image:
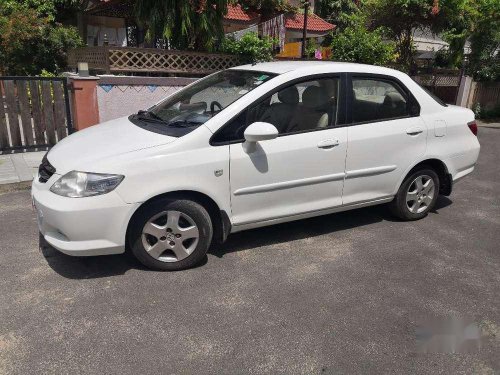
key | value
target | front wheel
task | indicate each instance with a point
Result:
(170, 235)
(416, 196)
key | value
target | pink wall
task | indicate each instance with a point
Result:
(84, 102)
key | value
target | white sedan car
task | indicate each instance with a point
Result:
(248, 147)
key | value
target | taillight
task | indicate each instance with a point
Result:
(473, 127)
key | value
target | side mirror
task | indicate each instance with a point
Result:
(258, 131)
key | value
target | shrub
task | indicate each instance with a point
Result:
(311, 47)
(250, 47)
(486, 113)
(30, 43)
(357, 44)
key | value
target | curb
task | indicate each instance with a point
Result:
(490, 124)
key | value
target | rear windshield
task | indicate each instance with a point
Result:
(194, 105)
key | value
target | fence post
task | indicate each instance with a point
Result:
(463, 91)
(107, 53)
(472, 95)
(84, 101)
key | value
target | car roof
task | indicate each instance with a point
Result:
(280, 67)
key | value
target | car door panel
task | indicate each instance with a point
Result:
(386, 144)
(379, 153)
(289, 175)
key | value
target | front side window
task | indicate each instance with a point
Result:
(377, 100)
(304, 106)
(196, 104)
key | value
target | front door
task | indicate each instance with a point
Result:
(288, 175)
(386, 137)
(302, 170)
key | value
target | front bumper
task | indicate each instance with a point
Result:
(82, 226)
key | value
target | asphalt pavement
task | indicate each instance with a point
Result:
(338, 294)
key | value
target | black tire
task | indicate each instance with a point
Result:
(194, 210)
(399, 207)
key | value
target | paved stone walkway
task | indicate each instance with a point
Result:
(19, 167)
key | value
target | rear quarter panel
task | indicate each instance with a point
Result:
(449, 139)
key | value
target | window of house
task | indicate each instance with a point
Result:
(305, 106)
(377, 100)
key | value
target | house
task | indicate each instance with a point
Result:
(111, 22)
(238, 19)
(288, 26)
(116, 44)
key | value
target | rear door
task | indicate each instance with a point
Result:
(385, 136)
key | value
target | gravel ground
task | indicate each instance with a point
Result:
(331, 295)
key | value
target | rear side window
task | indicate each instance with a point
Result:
(377, 100)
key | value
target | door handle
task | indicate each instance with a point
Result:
(414, 131)
(328, 143)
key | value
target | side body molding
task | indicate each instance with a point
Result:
(290, 184)
(370, 171)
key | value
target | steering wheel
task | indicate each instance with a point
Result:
(212, 106)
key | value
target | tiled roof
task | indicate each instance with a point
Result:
(237, 13)
(314, 22)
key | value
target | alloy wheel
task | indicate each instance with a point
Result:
(420, 194)
(170, 236)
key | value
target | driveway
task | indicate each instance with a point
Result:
(331, 295)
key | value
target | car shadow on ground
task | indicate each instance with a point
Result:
(313, 227)
(115, 265)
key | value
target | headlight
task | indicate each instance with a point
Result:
(81, 184)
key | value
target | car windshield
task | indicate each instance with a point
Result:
(190, 107)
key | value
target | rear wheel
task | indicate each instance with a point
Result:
(417, 195)
(171, 235)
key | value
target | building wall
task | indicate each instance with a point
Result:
(231, 26)
(113, 27)
(119, 96)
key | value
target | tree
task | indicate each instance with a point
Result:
(31, 41)
(193, 24)
(63, 11)
(399, 19)
(484, 59)
(476, 22)
(337, 12)
(266, 6)
(355, 43)
(454, 22)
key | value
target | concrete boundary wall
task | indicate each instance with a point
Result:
(119, 96)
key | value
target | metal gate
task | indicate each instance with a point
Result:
(34, 113)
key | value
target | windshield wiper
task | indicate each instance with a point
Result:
(150, 116)
(184, 123)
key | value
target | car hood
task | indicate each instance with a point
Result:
(112, 138)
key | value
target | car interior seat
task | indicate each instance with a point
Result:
(393, 106)
(313, 112)
(280, 114)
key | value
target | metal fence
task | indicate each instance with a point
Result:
(34, 113)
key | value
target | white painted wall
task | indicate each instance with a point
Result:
(125, 100)
(123, 96)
